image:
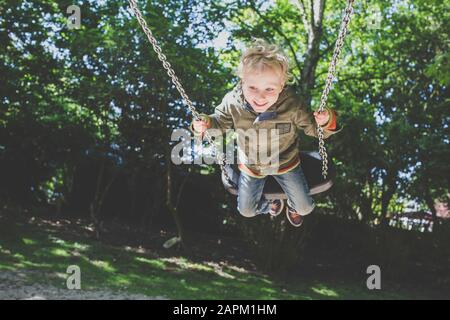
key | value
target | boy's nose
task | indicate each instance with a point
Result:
(261, 97)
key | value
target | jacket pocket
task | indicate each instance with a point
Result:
(283, 127)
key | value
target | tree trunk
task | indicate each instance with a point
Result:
(366, 208)
(430, 203)
(312, 20)
(388, 193)
(132, 184)
(94, 206)
(171, 207)
(100, 195)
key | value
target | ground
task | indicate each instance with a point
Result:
(35, 254)
(13, 285)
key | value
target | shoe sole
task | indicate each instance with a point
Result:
(281, 210)
(289, 219)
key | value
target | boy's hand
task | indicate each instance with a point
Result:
(200, 126)
(322, 118)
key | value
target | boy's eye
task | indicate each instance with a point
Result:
(269, 89)
(252, 88)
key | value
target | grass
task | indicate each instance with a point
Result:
(47, 250)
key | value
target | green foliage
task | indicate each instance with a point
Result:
(90, 110)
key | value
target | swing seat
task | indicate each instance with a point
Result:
(311, 164)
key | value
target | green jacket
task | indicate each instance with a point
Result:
(286, 117)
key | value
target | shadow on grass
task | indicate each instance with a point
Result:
(49, 251)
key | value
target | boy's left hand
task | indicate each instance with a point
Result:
(322, 118)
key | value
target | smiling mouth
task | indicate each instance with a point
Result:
(259, 105)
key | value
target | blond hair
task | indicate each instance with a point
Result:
(261, 55)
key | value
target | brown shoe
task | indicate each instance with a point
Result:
(294, 218)
(276, 207)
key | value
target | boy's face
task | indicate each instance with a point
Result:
(262, 88)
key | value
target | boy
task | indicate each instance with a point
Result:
(262, 101)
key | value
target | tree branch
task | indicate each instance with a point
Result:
(301, 7)
(318, 9)
(368, 77)
(279, 31)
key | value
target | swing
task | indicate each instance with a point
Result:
(318, 170)
(311, 164)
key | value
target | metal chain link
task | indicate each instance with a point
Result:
(171, 73)
(329, 81)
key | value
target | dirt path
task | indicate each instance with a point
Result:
(13, 286)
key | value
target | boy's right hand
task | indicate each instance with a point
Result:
(200, 126)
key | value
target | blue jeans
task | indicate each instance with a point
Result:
(252, 202)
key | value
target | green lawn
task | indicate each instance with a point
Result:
(47, 249)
